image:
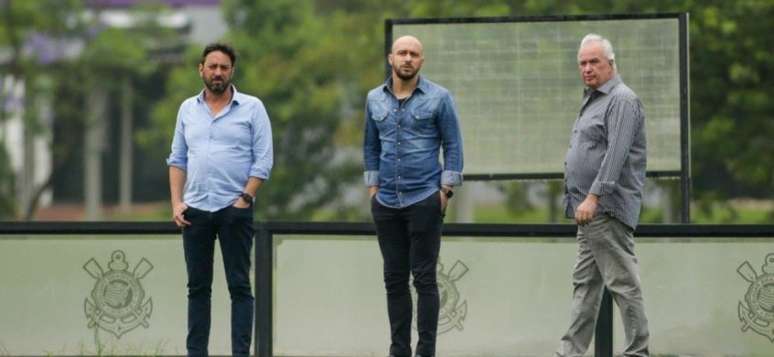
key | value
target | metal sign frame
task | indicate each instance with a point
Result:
(684, 174)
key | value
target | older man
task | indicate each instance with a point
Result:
(409, 119)
(604, 176)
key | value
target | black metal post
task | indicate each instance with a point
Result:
(685, 120)
(263, 292)
(603, 335)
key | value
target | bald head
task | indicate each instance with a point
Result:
(406, 58)
(407, 41)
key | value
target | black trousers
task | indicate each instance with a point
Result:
(410, 240)
(234, 230)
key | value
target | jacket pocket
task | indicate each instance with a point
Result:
(379, 116)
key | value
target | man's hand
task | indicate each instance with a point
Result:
(444, 198)
(177, 215)
(586, 210)
(240, 203)
(372, 191)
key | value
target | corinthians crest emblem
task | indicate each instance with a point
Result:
(758, 312)
(116, 303)
(452, 313)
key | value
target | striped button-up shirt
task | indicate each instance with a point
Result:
(607, 153)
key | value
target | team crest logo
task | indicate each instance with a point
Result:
(758, 312)
(116, 303)
(451, 313)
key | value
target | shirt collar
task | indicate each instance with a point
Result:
(422, 85)
(607, 87)
(236, 98)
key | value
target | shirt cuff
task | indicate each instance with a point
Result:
(260, 173)
(451, 178)
(371, 178)
(178, 163)
(600, 188)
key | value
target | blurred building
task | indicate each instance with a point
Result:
(29, 147)
(202, 18)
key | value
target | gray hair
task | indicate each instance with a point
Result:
(607, 47)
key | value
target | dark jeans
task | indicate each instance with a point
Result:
(234, 229)
(410, 239)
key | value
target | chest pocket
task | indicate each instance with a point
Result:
(423, 119)
(593, 132)
(422, 114)
(379, 116)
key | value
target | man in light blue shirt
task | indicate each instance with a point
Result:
(221, 154)
(408, 121)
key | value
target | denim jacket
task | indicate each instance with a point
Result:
(403, 140)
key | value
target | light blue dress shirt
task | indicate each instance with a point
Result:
(220, 153)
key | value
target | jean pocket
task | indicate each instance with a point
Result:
(241, 213)
(375, 205)
(191, 212)
(441, 208)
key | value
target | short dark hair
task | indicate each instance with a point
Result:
(222, 47)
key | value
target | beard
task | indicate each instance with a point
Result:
(217, 87)
(406, 73)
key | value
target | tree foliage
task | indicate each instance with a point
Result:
(25, 27)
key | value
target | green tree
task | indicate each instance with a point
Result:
(29, 24)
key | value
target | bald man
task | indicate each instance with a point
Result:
(408, 120)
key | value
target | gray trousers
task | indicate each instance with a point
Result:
(605, 259)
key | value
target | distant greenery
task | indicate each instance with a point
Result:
(312, 62)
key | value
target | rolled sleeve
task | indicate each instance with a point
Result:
(178, 156)
(451, 178)
(602, 188)
(263, 149)
(623, 123)
(451, 137)
(372, 148)
(371, 178)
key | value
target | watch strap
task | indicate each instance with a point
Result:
(247, 197)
